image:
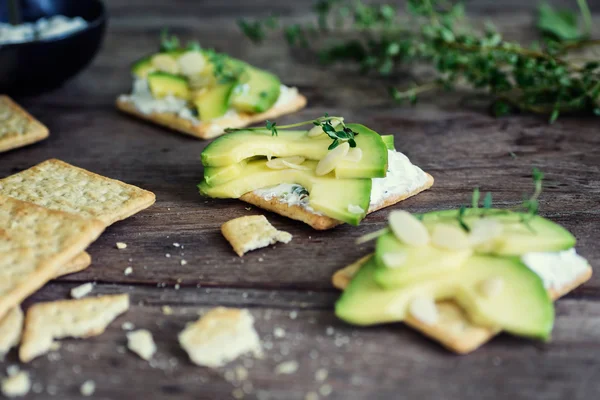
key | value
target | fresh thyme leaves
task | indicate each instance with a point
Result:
(475, 198)
(224, 69)
(487, 201)
(339, 133)
(271, 126)
(168, 42)
(461, 219)
(539, 78)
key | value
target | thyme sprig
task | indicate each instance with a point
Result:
(540, 78)
(339, 133)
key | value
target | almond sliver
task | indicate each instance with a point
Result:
(485, 230)
(408, 228)
(449, 237)
(285, 162)
(332, 159)
(354, 154)
(394, 260)
(165, 63)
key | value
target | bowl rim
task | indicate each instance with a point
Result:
(99, 21)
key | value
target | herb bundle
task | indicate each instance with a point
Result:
(540, 78)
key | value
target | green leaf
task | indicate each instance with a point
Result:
(487, 201)
(475, 198)
(560, 25)
(168, 42)
(333, 145)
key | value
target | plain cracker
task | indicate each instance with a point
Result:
(453, 329)
(316, 221)
(220, 336)
(79, 263)
(214, 129)
(17, 127)
(252, 232)
(60, 186)
(35, 243)
(81, 318)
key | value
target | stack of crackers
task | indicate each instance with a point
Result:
(49, 215)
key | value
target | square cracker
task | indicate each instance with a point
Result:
(60, 186)
(252, 232)
(17, 127)
(209, 130)
(81, 318)
(35, 243)
(453, 329)
(318, 221)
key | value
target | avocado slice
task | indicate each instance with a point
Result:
(538, 234)
(142, 67)
(237, 146)
(213, 102)
(256, 91)
(523, 307)
(388, 140)
(336, 198)
(214, 176)
(420, 263)
(163, 84)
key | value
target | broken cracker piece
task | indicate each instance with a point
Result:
(18, 128)
(68, 318)
(10, 330)
(17, 384)
(56, 185)
(77, 264)
(252, 232)
(82, 290)
(141, 343)
(220, 336)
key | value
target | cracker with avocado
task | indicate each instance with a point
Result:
(63, 187)
(453, 329)
(81, 318)
(36, 243)
(319, 221)
(17, 127)
(209, 130)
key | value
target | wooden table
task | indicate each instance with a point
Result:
(287, 287)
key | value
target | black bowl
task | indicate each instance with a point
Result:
(35, 67)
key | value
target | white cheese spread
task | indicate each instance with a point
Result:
(43, 28)
(556, 269)
(402, 178)
(146, 103)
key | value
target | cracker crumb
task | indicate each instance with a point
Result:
(325, 390)
(260, 259)
(177, 286)
(121, 245)
(176, 245)
(293, 314)
(286, 368)
(183, 262)
(168, 255)
(167, 310)
(141, 343)
(321, 375)
(16, 385)
(82, 290)
(279, 332)
(329, 331)
(238, 393)
(128, 271)
(127, 326)
(241, 373)
(88, 388)
(311, 396)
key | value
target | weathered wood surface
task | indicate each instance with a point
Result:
(457, 143)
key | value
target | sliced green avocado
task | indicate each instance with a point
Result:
(336, 198)
(214, 102)
(389, 141)
(422, 262)
(142, 67)
(214, 176)
(522, 307)
(537, 234)
(237, 146)
(256, 92)
(163, 84)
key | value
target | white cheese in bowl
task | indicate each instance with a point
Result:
(44, 28)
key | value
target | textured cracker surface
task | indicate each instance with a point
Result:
(79, 263)
(10, 330)
(68, 318)
(17, 127)
(453, 329)
(316, 221)
(220, 336)
(252, 232)
(211, 130)
(60, 186)
(35, 243)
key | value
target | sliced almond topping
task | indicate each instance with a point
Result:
(449, 237)
(165, 63)
(354, 154)
(424, 309)
(394, 260)
(295, 166)
(485, 230)
(408, 228)
(491, 287)
(332, 159)
(191, 63)
(318, 131)
(285, 162)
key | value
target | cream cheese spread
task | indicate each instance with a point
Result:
(402, 178)
(146, 103)
(44, 28)
(556, 269)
